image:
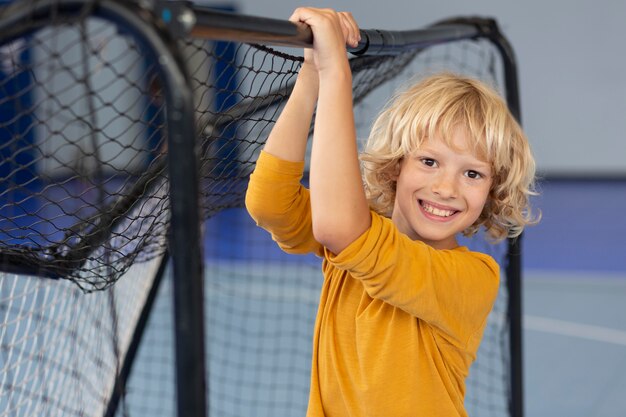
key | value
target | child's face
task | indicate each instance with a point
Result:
(441, 191)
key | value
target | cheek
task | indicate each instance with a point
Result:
(479, 197)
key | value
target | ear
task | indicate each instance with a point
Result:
(394, 169)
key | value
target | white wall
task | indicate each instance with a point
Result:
(572, 68)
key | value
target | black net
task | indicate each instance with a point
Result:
(83, 191)
(84, 205)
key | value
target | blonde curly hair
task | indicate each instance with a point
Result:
(434, 107)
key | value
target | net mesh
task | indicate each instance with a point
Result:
(61, 349)
(83, 192)
(84, 205)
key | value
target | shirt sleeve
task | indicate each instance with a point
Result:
(280, 204)
(452, 290)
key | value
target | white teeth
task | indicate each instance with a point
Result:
(437, 212)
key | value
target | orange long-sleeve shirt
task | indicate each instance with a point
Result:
(399, 322)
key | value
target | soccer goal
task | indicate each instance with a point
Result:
(132, 282)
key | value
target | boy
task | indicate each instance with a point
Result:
(403, 307)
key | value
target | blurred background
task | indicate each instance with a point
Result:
(573, 101)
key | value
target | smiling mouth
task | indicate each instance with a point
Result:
(436, 211)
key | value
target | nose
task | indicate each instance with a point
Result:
(445, 186)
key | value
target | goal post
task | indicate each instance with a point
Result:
(23, 20)
(115, 159)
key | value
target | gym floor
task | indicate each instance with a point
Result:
(574, 298)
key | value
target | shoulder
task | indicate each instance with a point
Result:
(469, 256)
(385, 230)
(274, 164)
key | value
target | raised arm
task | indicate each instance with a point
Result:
(340, 212)
(288, 137)
(275, 199)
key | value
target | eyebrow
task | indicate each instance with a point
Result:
(436, 153)
(479, 164)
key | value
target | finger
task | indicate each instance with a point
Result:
(307, 15)
(315, 18)
(351, 23)
(351, 29)
(345, 28)
(298, 15)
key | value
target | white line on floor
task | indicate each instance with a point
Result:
(571, 329)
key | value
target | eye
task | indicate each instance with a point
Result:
(473, 174)
(429, 162)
